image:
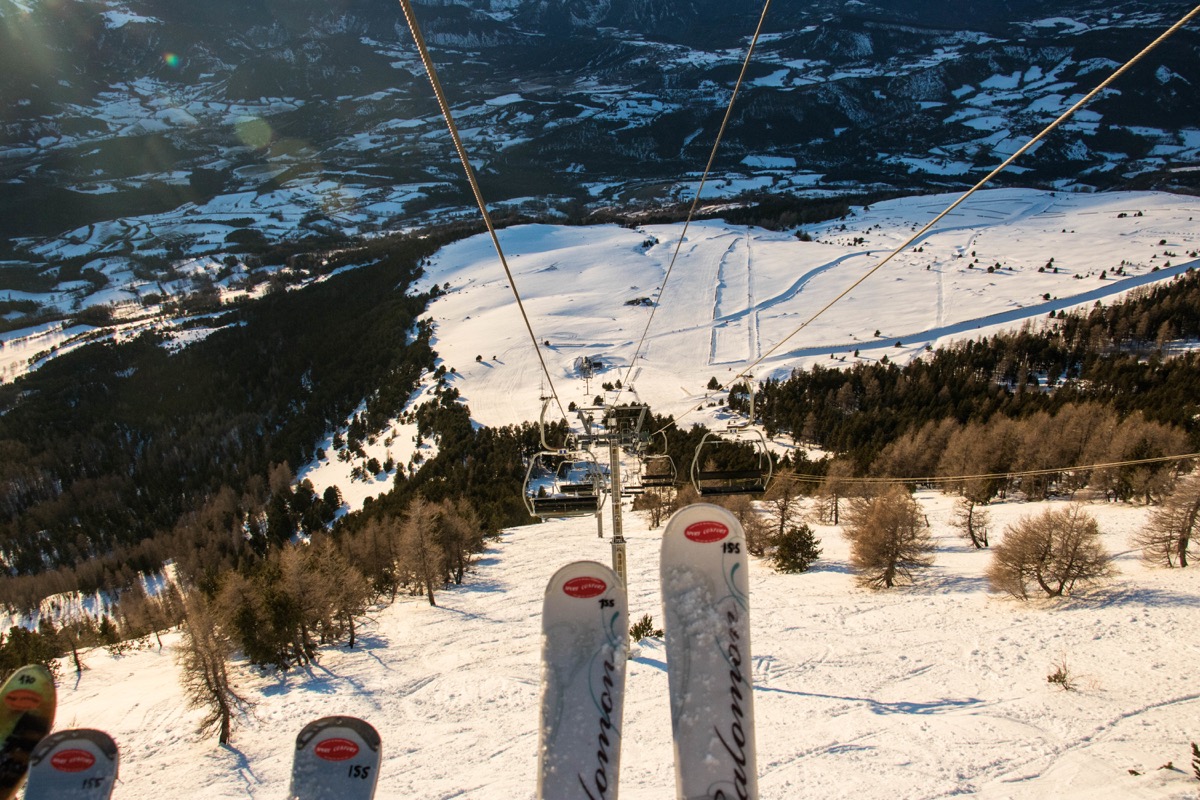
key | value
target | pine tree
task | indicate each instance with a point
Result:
(795, 550)
(643, 629)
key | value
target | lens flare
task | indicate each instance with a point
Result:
(171, 60)
(253, 132)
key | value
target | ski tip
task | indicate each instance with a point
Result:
(74, 764)
(701, 524)
(101, 740)
(362, 728)
(29, 689)
(336, 758)
(582, 580)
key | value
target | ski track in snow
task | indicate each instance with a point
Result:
(735, 320)
(981, 324)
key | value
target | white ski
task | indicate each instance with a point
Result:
(337, 758)
(707, 624)
(78, 764)
(585, 624)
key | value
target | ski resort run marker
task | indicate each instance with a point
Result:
(337, 758)
(585, 626)
(79, 764)
(706, 610)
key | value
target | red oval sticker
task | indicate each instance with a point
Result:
(22, 699)
(336, 749)
(584, 587)
(72, 760)
(706, 531)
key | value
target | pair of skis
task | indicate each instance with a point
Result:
(336, 758)
(707, 623)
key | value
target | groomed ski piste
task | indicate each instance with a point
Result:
(926, 691)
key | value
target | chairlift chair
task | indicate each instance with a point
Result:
(658, 471)
(564, 483)
(631, 482)
(752, 480)
(578, 475)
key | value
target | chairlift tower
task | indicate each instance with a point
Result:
(622, 428)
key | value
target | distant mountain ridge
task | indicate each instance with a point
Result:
(150, 111)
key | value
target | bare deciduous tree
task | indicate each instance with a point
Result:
(915, 453)
(684, 496)
(972, 520)
(783, 500)
(888, 538)
(419, 551)
(347, 593)
(1138, 438)
(654, 502)
(838, 484)
(977, 456)
(1081, 433)
(753, 526)
(204, 658)
(1055, 551)
(373, 549)
(461, 536)
(1167, 535)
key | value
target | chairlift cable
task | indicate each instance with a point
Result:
(712, 156)
(876, 480)
(1021, 151)
(431, 72)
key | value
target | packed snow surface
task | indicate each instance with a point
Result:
(928, 691)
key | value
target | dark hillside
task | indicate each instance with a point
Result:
(112, 443)
(1117, 356)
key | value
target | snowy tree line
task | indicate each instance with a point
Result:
(1118, 357)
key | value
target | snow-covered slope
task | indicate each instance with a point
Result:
(737, 294)
(934, 690)
(922, 692)
(132, 129)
